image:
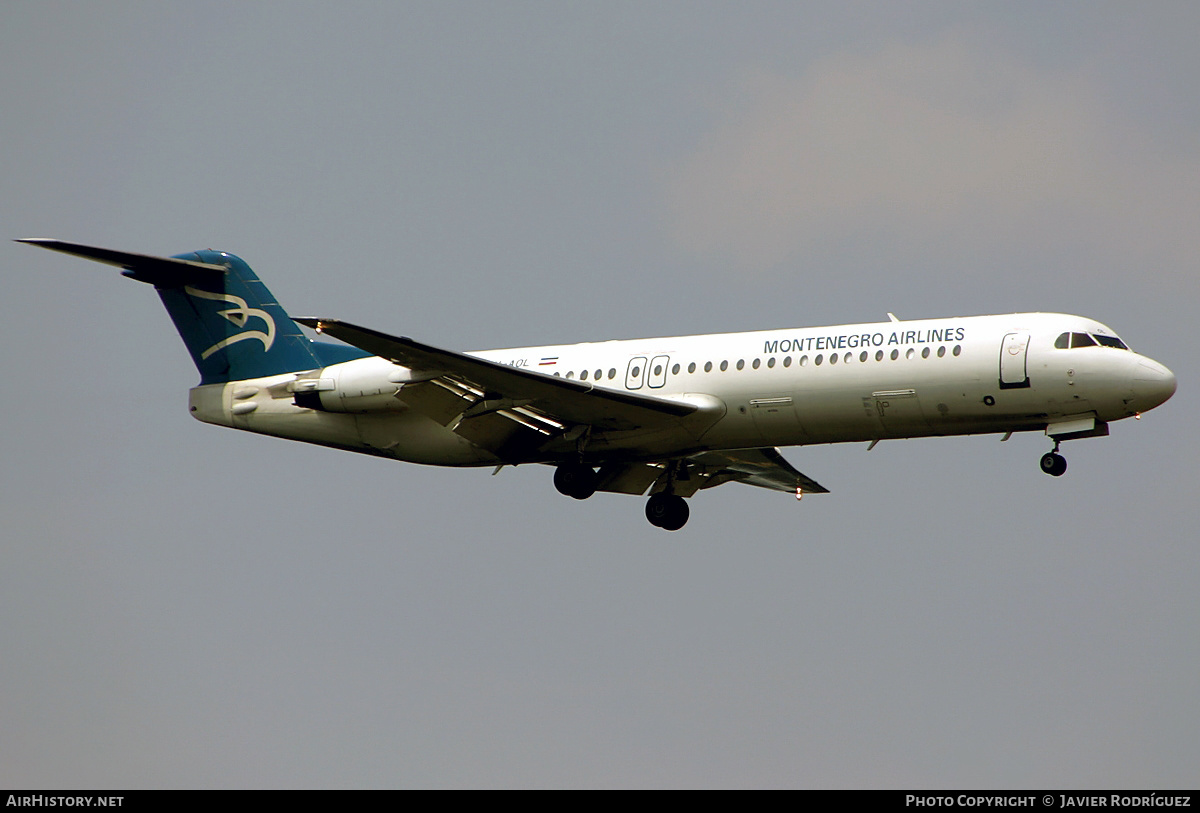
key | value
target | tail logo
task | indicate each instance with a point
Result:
(239, 314)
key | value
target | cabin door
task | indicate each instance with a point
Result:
(1013, 370)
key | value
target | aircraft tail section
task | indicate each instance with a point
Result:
(231, 323)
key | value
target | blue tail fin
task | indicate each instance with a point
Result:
(231, 324)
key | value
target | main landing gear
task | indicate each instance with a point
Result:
(1053, 463)
(575, 480)
(667, 511)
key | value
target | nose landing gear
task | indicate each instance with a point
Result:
(1053, 463)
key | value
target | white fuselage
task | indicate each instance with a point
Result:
(785, 387)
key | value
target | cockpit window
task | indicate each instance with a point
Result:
(1111, 341)
(1066, 340)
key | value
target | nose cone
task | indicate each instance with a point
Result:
(1153, 384)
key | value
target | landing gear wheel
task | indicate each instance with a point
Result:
(575, 480)
(667, 511)
(1054, 464)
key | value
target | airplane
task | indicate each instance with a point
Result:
(663, 417)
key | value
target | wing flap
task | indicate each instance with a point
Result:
(434, 400)
(505, 434)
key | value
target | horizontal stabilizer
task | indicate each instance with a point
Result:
(233, 327)
(159, 271)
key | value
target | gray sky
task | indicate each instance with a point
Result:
(186, 606)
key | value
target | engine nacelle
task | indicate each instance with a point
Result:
(364, 385)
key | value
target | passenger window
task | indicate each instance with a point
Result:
(675, 370)
(692, 367)
(862, 356)
(895, 355)
(771, 361)
(941, 351)
(583, 376)
(741, 363)
(724, 366)
(787, 361)
(599, 374)
(612, 372)
(925, 353)
(708, 366)
(957, 349)
(879, 355)
(755, 364)
(833, 358)
(817, 361)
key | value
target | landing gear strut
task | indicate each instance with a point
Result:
(1053, 463)
(667, 511)
(575, 480)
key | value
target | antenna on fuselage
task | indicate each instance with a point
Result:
(892, 316)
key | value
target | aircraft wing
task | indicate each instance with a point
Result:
(489, 403)
(765, 468)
